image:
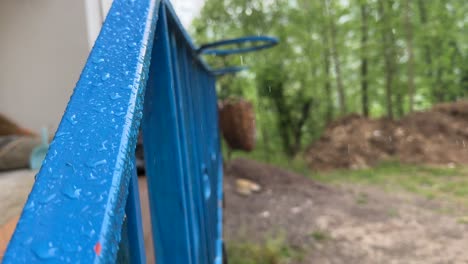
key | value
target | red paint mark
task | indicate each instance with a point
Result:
(97, 248)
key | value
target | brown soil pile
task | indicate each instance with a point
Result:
(437, 136)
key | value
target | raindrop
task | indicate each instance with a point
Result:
(105, 76)
(103, 146)
(207, 187)
(61, 134)
(92, 177)
(85, 208)
(71, 166)
(45, 251)
(28, 241)
(132, 44)
(72, 119)
(98, 60)
(96, 163)
(47, 199)
(115, 96)
(29, 206)
(71, 192)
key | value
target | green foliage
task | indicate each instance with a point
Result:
(295, 86)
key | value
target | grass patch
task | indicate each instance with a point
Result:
(273, 251)
(320, 236)
(362, 198)
(273, 157)
(431, 182)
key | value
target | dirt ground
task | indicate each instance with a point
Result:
(342, 224)
(329, 223)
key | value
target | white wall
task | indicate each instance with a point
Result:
(43, 48)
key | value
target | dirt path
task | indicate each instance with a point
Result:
(342, 224)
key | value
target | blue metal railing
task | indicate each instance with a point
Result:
(84, 206)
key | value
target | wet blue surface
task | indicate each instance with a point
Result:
(78, 204)
(79, 197)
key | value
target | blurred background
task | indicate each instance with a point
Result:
(44, 46)
(352, 131)
(361, 130)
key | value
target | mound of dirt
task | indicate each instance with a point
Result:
(437, 136)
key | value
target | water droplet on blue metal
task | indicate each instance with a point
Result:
(68, 248)
(45, 251)
(105, 76)
(27, 242)
(68, 164)
(94, 164)
(29, 206)
(47, 199)
(92, 177)
(98, 60)
(71, 191)
(61, 134)
(115, 96)
(84, 209)
(206, 186)
(72, 119)
(132, 44)
(103, 146)
(100, 198)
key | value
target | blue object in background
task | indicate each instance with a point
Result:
(84, 206)
(38, 154)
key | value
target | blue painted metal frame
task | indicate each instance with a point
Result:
(256, 43)
(76, 208)
(229, 70)
(84, 206)
(182, 181)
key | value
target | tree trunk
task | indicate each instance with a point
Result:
(409, 44)
(298, 127)
(327, 85)
(388, 64)
(426, 45)
(336, 60)
(364, 74)
(393, 63)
